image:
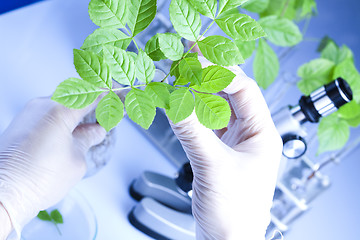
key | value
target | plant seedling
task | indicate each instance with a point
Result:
(54, 216)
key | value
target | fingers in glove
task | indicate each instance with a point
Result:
(88, 135)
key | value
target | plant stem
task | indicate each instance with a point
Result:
(118, 89)
(137, 47)
(306, 25)
(285, 8)
(57, 228)
(189, 49)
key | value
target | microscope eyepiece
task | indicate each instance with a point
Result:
(325, 100)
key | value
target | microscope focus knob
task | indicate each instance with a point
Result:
(294, 146)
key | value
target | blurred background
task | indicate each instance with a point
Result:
(37, 39)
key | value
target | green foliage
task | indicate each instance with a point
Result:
(241, 27)
(205, 7)
(159, 93)
(122, 65)
(256, 6)
(92, 68)
(105, 36)
(57, 217)
(152, 48)
(181, 105)
(335, 54)
(76, 93)
(108, 13)
(140, 107)
(144, 67)
(44, 215)
(171, 46)
(333, 133)
(315, 74)
(110, 111)
(185, 19)
(191, 70)
(266, 65)
(140, 15)
(246, 48)
(54, 217)
(215, 79)
(220, 50)
(348, 71)
(174, 70)
(281, 31)
(226, 5)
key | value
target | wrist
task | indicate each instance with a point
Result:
(5, 223)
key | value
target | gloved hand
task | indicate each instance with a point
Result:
(235, 168)
(42, 155)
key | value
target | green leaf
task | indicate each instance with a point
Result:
(181, 81)
(344, 54)
(333, 133)
(159, 93)
(330, 52)
(215, 79)
(226, 5)
(174, 70)
(132, 55)
(220, 50)
(92, 68)
(266, 65)
(144, 67)
(191, 70)
(323, 43)
(171, 45)
(185, 19)
(349, 110)
(205, 7)
(315, 74)
(76, 93)
(348, 72)
(308, 7)
(140, 107)
(152, 48)
(106, 36)
(241, 27)
(140, 15)
(246, 48)
(281, 31)
(108, 13)
(44, 216)
(109, 111)
(122, 65)
(57, 217)
(212, 111)
(181, 105)
(257, 6)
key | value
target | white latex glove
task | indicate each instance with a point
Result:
(234, 168)
(42, 155)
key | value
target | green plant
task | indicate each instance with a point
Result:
(54, 216)
(333, 131)
(103, 58)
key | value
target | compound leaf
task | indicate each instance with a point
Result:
(108, 13)
(333, 133)
(266, 65)
(170, 44)
(257, 6)
(205, 7)
(44, 216)
(159, 93)
(106, 36)
(122, 65)
(152, 48)
(140, 15)
(185, 19)
(220, 50)
(144, 67)
(76, 93)
(181, 105)
(240, 27)
(246, 48)
(109, 111)
(57, 217)
(212, 111)
(330, 52)
(174, 70)
(281, 31)
(226, 5)
(215, 79)
(92, 68)
(140, 107)
(191, 70)
(314, 74)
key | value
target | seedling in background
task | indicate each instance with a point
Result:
(54, 216)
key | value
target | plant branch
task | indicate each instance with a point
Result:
(119, 89)
(285, 8)
(197, 40)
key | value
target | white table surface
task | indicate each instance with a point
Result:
(36, 45)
